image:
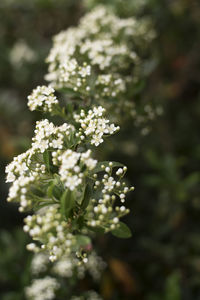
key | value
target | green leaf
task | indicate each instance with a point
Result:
(82, 240)
(123, 231)
(57, 191)
(96, 229)
(87, 196)
(67, 202)
(98, 167)
(46, 157)
(80, 222)
(70, 108)
(50, 190)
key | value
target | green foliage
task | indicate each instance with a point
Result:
(173, 291)
(122, 231)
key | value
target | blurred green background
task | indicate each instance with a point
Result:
(162, 260)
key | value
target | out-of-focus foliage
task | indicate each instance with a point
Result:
(14, 264)
(162, 260)
(124, 8)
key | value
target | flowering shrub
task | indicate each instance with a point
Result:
(70, 193)
(164, 167)
(93, 71)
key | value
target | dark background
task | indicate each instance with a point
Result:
(162, 259)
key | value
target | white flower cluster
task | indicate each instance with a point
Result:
(95, 265)
(94, 125)
(110, 188)
(75, 76)
(28, 169)
(51, 178)
(20, 189)
(72, 165)
(150, 112)
(21, 53)
(50, 228)
(39, 263)
(49, 136)
(103, 46)
(42, 289)
(109, 85)
(42, 98)
(90, 295)
(18, 167)
(68, 265)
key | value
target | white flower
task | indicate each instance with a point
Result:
(57, 143)
(109, 184)
(90, 163)
(96, 140)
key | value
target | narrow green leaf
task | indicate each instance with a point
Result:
(123, 231)
(50, 190)
(87, 196)
(98, 167)
(67, 202)
(57, 192)
(46, 157)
